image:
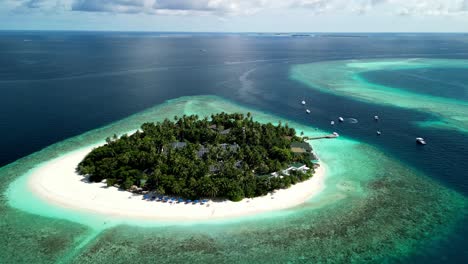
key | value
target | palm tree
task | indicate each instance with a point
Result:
(210, 189)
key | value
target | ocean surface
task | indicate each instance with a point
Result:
(59, 85)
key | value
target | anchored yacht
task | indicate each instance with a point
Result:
(421, 141)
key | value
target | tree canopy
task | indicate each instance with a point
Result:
(224, 156)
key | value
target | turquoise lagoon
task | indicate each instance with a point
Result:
(373, 209)
(345, 78)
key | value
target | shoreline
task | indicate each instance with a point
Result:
(57, 183)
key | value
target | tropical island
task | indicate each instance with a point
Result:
(227, 156)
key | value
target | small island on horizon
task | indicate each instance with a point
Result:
(226, 156)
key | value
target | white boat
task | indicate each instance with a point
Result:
(421, 141)
(303, 102)
(336, 134)
(376, 118)
(308, 111)
(379, 133)
(341, 119)
(332, 123)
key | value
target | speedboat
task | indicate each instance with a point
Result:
(303, 102)
(420, 141)
(308, 111)
(376, 118)
(341, 119)
(332, 123)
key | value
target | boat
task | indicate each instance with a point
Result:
(303, 102)
(336, 134)
(308, 111)
(376, 118)
(341, 119)
(421, 141)
(332, 123)
(379, 133)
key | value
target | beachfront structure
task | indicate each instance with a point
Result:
(294, 167)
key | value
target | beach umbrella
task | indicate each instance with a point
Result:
(189, 201)
(196, 201)
(181, 200)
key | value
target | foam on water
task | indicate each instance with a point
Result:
(343, 78)
(373, 209)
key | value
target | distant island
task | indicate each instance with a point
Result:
(227, 156)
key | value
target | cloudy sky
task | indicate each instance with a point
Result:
(237, 15)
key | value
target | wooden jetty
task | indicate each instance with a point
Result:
(321, 137)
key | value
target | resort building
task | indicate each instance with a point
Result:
(203, 150)
(220, 129)
(294, 167)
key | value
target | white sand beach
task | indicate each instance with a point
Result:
(56, 182)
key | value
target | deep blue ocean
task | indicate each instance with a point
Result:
(55, 85)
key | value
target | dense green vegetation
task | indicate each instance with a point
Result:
(227, 156)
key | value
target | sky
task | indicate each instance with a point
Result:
(236, 15)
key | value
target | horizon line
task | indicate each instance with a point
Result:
(237, 32)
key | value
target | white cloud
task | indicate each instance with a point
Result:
(247, 7)
(171, 6)
(431, 7)
(111, 6)
(24, 6)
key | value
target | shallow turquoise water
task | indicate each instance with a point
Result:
(441, 82)
(345, 78)
(373, 209)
